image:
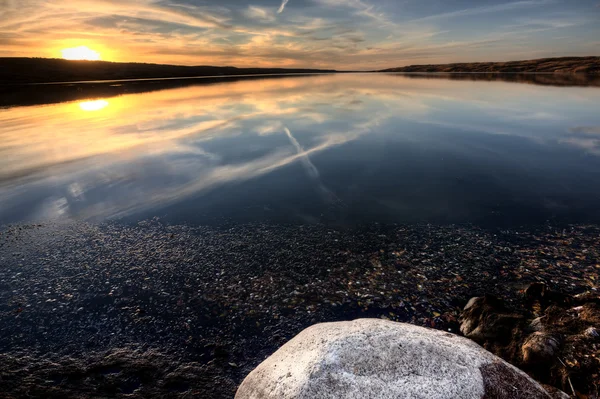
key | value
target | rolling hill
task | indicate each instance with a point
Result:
(45, 70)
(589, 65)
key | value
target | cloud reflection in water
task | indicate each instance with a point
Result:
(143, 152)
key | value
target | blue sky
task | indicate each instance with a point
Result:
(342, 34)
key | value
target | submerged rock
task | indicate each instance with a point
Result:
(539, 347)
(592, 332)
(539, 297)
(486, 318)
(370, 358)
(559, 346)
(536, 324)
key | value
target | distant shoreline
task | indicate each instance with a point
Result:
(18, 71)
(58, 71)
(561, 65)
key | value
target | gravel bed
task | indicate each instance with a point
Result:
(157, 310)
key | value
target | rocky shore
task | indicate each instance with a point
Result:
(153, 310)
(551, 335)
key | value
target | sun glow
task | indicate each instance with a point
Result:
(80, 53)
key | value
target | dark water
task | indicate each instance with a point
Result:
(342, 149)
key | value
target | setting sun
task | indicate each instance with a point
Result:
(80, 53)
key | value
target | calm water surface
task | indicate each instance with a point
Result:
(340, 149)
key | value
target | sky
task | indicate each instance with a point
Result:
(340, 34)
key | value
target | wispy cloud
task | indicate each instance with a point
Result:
(259, 13)
(515, 5)
(548, 23)
(360, 7)
(282, 6)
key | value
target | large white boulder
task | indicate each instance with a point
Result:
(372, 358)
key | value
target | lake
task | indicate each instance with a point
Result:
(343, 149)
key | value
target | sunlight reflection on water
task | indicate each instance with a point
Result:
(95, 105)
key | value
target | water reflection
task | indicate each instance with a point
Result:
(94, 105)
(343, 148)
(544, 79)
(15, 95)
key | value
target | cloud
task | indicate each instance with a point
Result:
(259, 13)
(282, 6)
(543, 24)
(515, 5)
(360, 8)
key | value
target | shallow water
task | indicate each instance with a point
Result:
(342, 149)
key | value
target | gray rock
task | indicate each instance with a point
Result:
(380, 359)
(555, 392)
